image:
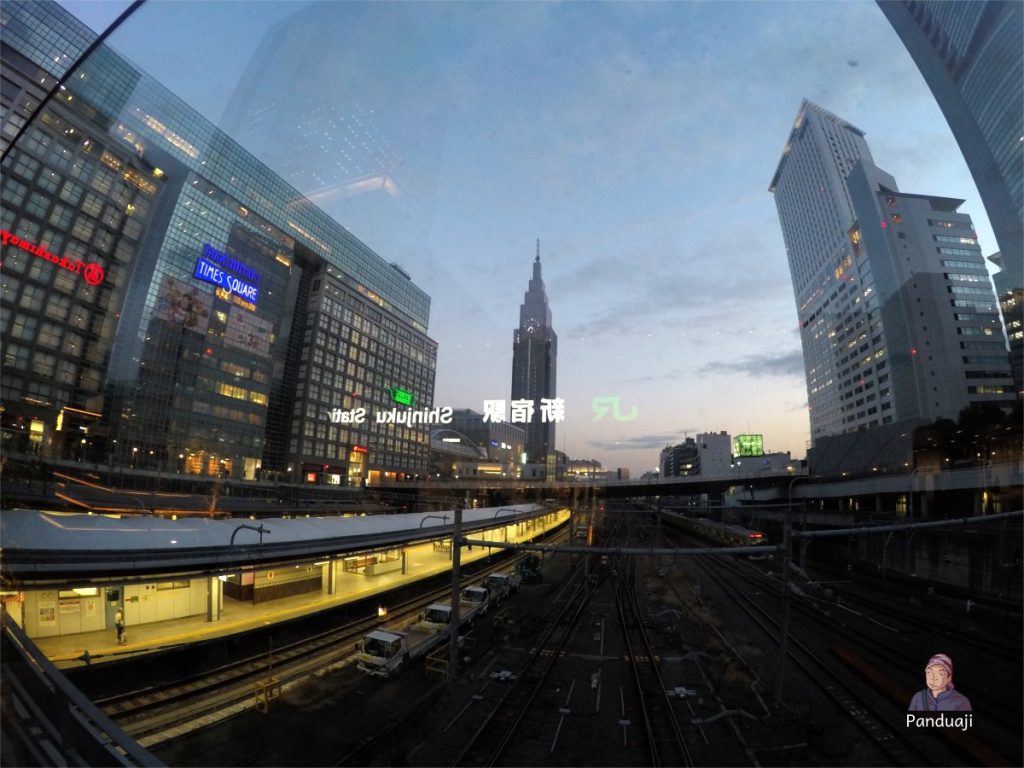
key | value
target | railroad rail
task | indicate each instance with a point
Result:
(499, 723)
(898, 749)
(656, 705)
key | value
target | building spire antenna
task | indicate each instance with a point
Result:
(538, 249)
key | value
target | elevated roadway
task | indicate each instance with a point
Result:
(767, 486)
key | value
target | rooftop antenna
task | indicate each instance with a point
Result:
(538, 249)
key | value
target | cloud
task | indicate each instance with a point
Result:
(675, 284)
(641, 442)
(758, 366)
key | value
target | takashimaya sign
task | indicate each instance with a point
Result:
(92, 273)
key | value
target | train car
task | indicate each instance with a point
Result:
(726, 534)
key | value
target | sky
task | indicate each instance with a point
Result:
(635, 140)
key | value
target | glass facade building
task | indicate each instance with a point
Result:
(898, 317)
(171, 304)
(970, 55)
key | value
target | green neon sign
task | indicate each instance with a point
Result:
(402, 397)
(748, 445)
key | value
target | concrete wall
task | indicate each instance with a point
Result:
(48, 615)
(981, 562)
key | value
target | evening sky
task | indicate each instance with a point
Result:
(635, 140)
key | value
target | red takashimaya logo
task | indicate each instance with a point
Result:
(93, 273)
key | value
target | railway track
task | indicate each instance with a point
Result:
(580, 666)
(824, 677)
(875, 631)
(665, 740)
(909, 611)
(860, 709)
(498, 719)
(152, 716)
(158, 714)
(551, 694)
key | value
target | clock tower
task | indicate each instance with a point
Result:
(534, 358)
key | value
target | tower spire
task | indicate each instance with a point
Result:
(538, 249)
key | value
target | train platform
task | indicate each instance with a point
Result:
(423, 561)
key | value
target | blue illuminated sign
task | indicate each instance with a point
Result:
(244, 271)
(211, 274)
(209, 269)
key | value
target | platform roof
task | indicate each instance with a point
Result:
(39, 546)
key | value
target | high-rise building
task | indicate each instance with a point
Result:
(714, 452)
(534, 362)
(898, 319)
(969, 52)
(709, 455)
(682, 460)
(171, 304)
(1010, 290)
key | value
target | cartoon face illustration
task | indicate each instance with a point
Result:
(936, 678)
(939, 695)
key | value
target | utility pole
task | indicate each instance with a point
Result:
(780, 675)
(453, 627)
(787, 554)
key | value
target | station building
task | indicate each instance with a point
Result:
(67, 574)
(170, 304)
(471, 446)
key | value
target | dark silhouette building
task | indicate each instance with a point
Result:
(534, 363)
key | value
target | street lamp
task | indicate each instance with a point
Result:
(261, 530)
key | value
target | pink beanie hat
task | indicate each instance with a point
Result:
(941, 660)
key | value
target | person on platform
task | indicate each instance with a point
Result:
(938, 694)
(119, 626)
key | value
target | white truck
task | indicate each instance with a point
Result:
(502, 585)
(472, 604)
(478, 598)
(385, 652)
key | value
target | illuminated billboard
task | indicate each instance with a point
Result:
(248, 332)
(748, 445)
(235, 281)
(184, 305)
(402, 396)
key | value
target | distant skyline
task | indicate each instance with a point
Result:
(637, 141)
